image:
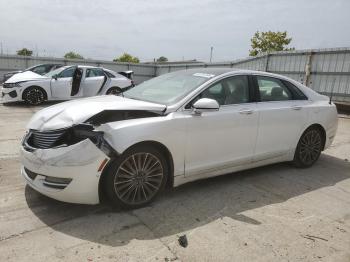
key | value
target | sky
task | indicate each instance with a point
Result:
(178, 29)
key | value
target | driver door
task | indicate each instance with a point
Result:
(61, 86)
(224, 138)
(93, 82)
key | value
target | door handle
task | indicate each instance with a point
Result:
(296, 107)
(246, 111)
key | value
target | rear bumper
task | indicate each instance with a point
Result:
(74, 167)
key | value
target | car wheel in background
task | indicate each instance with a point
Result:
(309, 148)
(136, 177)
(114, 91)
(34, 95)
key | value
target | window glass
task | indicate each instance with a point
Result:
(272, 89)
(93, 72)
(232, 90)
(168, 88)
(41, 69)
(67, 73)
(109, 74)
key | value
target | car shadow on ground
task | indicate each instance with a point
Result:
(189, 206)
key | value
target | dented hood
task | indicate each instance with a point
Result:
(25, 76)
(77, 111)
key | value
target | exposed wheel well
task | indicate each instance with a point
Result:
(322, 130)
(114, 87)
(42, 89)
(157, 145)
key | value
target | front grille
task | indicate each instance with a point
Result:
(44, 140)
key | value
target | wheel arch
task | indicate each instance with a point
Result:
(155, 144)
(41, 88)
(113, 87)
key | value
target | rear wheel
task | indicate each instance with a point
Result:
(309, 148)
(137, 177)
(114, 91)
(34, 95)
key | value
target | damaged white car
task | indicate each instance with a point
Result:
(64, 83)
(172, 129)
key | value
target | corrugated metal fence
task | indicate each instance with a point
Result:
(323, 70)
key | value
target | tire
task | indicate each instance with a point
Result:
(34, 95)
(309, 148)
(114, 91)
(136, 177)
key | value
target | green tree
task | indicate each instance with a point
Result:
(73, 55)
(127, 58)
(25, 51)
(264, 42)
(162, 59)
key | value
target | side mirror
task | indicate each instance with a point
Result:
(205, 105)
(54, 77)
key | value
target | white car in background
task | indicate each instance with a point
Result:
(172, 129)
(64, 83)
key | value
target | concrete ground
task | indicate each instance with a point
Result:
(274, 213)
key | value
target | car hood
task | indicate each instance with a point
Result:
(25, 76)
(69, 113)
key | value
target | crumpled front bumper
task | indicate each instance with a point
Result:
(10, 95)
(79, 162)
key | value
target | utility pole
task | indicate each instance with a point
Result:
(2, 52)
(211, 53)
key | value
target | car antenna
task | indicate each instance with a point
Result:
(331, 96)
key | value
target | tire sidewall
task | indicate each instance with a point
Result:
(111, 172)
(298, 162)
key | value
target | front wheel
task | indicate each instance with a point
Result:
(34, 95)
(137, 177)
(309, 148)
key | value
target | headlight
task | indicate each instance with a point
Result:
(11, 85)
(84, 131)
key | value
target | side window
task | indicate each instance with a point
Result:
(216, 91)
(232, 90)
(93, 72)
(238, 90)
(273, 89)
(67, 72)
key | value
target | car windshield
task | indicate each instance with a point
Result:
(169, 88)
(56, 71)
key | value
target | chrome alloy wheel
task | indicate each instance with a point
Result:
(139, 177)
(310, 147)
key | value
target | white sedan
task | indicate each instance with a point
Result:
(172, 129)
(64, 83)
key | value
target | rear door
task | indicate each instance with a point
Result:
(282, 117)
(93, 82)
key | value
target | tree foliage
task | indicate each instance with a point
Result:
(73, 55)
(127, 58)
(25, 52)
(162, 59)
(264, 42)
